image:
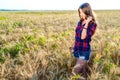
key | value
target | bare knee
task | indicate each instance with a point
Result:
(76, 69)
(80, 64)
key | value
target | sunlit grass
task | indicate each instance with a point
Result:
(35, 45)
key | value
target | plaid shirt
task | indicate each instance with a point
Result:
(82, 45)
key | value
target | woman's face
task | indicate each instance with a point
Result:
(82, 14)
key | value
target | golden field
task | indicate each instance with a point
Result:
(35, 46)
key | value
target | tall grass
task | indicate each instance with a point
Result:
(35, 46)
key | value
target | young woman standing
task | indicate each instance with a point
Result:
(84, 31)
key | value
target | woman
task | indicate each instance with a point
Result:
(84, 31)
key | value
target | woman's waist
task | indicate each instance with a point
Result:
(82, 49)
(82, 43)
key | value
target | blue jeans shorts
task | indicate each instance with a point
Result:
(82, 55)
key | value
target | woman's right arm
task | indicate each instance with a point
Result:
(84, 31)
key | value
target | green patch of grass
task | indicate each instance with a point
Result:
(42, 41)
(14, 50)
(2, 58)
(18, 24)
(54, 46)
(2, 18)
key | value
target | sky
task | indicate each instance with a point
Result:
(58, 4)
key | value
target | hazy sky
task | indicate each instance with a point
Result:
(57, 4)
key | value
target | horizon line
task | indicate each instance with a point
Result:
(48, 9)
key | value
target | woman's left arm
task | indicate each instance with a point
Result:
(91, 30)
(86, 33)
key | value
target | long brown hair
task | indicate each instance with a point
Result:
(86, 8)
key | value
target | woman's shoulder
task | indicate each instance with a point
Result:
(79, 22)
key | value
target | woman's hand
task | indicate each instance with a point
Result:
(89, 19)
(71, 49)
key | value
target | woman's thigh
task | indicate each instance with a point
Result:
(80, 62)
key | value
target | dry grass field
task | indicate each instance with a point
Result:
(35, 46)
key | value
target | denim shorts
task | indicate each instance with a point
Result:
(82, 55)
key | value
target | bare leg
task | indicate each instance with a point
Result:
(77, 68)
(80, 67)
(84, 73)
